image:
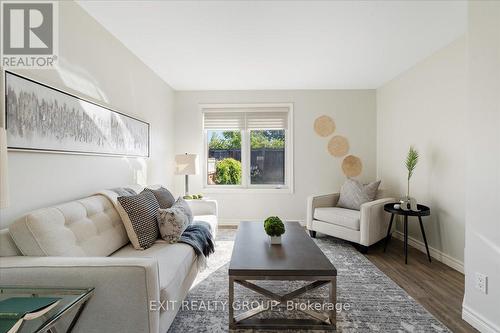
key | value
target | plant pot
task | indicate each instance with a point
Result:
(275, 239)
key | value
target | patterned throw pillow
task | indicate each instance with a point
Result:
(139, 215)
(174, 220)
(164, 197)
(353, 194)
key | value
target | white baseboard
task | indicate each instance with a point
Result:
(235, 222)
(419, 245)
(229, 222)
(477, 321)
(436, 254)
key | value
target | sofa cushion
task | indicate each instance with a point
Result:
(175, 262)
(7, 246)
(82, 228)
(347, 218)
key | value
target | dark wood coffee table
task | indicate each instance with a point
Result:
(298, 258)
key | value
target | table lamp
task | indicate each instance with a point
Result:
(186, 164)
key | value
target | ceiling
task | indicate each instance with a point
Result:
(233, 45)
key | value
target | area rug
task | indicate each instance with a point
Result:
(371, 301)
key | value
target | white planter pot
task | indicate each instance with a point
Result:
(275, 239)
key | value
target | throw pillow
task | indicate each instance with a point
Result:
(139, 215)
(163, 196)
(174, 220)
(353, 194)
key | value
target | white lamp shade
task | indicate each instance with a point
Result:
(4, 175)
(186, 164)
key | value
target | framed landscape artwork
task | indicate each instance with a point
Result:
(42, 118)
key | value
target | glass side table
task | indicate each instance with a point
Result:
(70, 299)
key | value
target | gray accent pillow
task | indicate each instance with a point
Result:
(174, 220)
(139, 215)
(164, 197)
(353, 194)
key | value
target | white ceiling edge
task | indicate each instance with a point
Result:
(424, 59)
(101, 13)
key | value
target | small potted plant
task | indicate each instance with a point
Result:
(407, 202)
(274, 228)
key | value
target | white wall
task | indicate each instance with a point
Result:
(482, 242)
(425, 107)
(95, 65)
(315, 171)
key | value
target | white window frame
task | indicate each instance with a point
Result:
(246, 186)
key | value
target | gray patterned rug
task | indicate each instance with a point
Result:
(373, 302)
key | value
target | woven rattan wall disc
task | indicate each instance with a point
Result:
(324, 126)
(338, 146)
(352, 166)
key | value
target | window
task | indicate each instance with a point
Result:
(267, 157)
(248, 147)
(224, 158)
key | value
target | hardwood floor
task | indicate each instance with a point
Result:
(439, 288)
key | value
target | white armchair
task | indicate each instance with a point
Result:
(364, 227)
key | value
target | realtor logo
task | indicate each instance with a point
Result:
(29, 34)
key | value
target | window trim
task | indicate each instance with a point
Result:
(246, 186)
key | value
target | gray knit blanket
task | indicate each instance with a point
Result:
(199, 236)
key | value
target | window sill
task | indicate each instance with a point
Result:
(246, 190)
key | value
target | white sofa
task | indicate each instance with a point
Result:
(364, 227)
(83, 244)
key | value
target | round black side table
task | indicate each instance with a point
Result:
(422, 211)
